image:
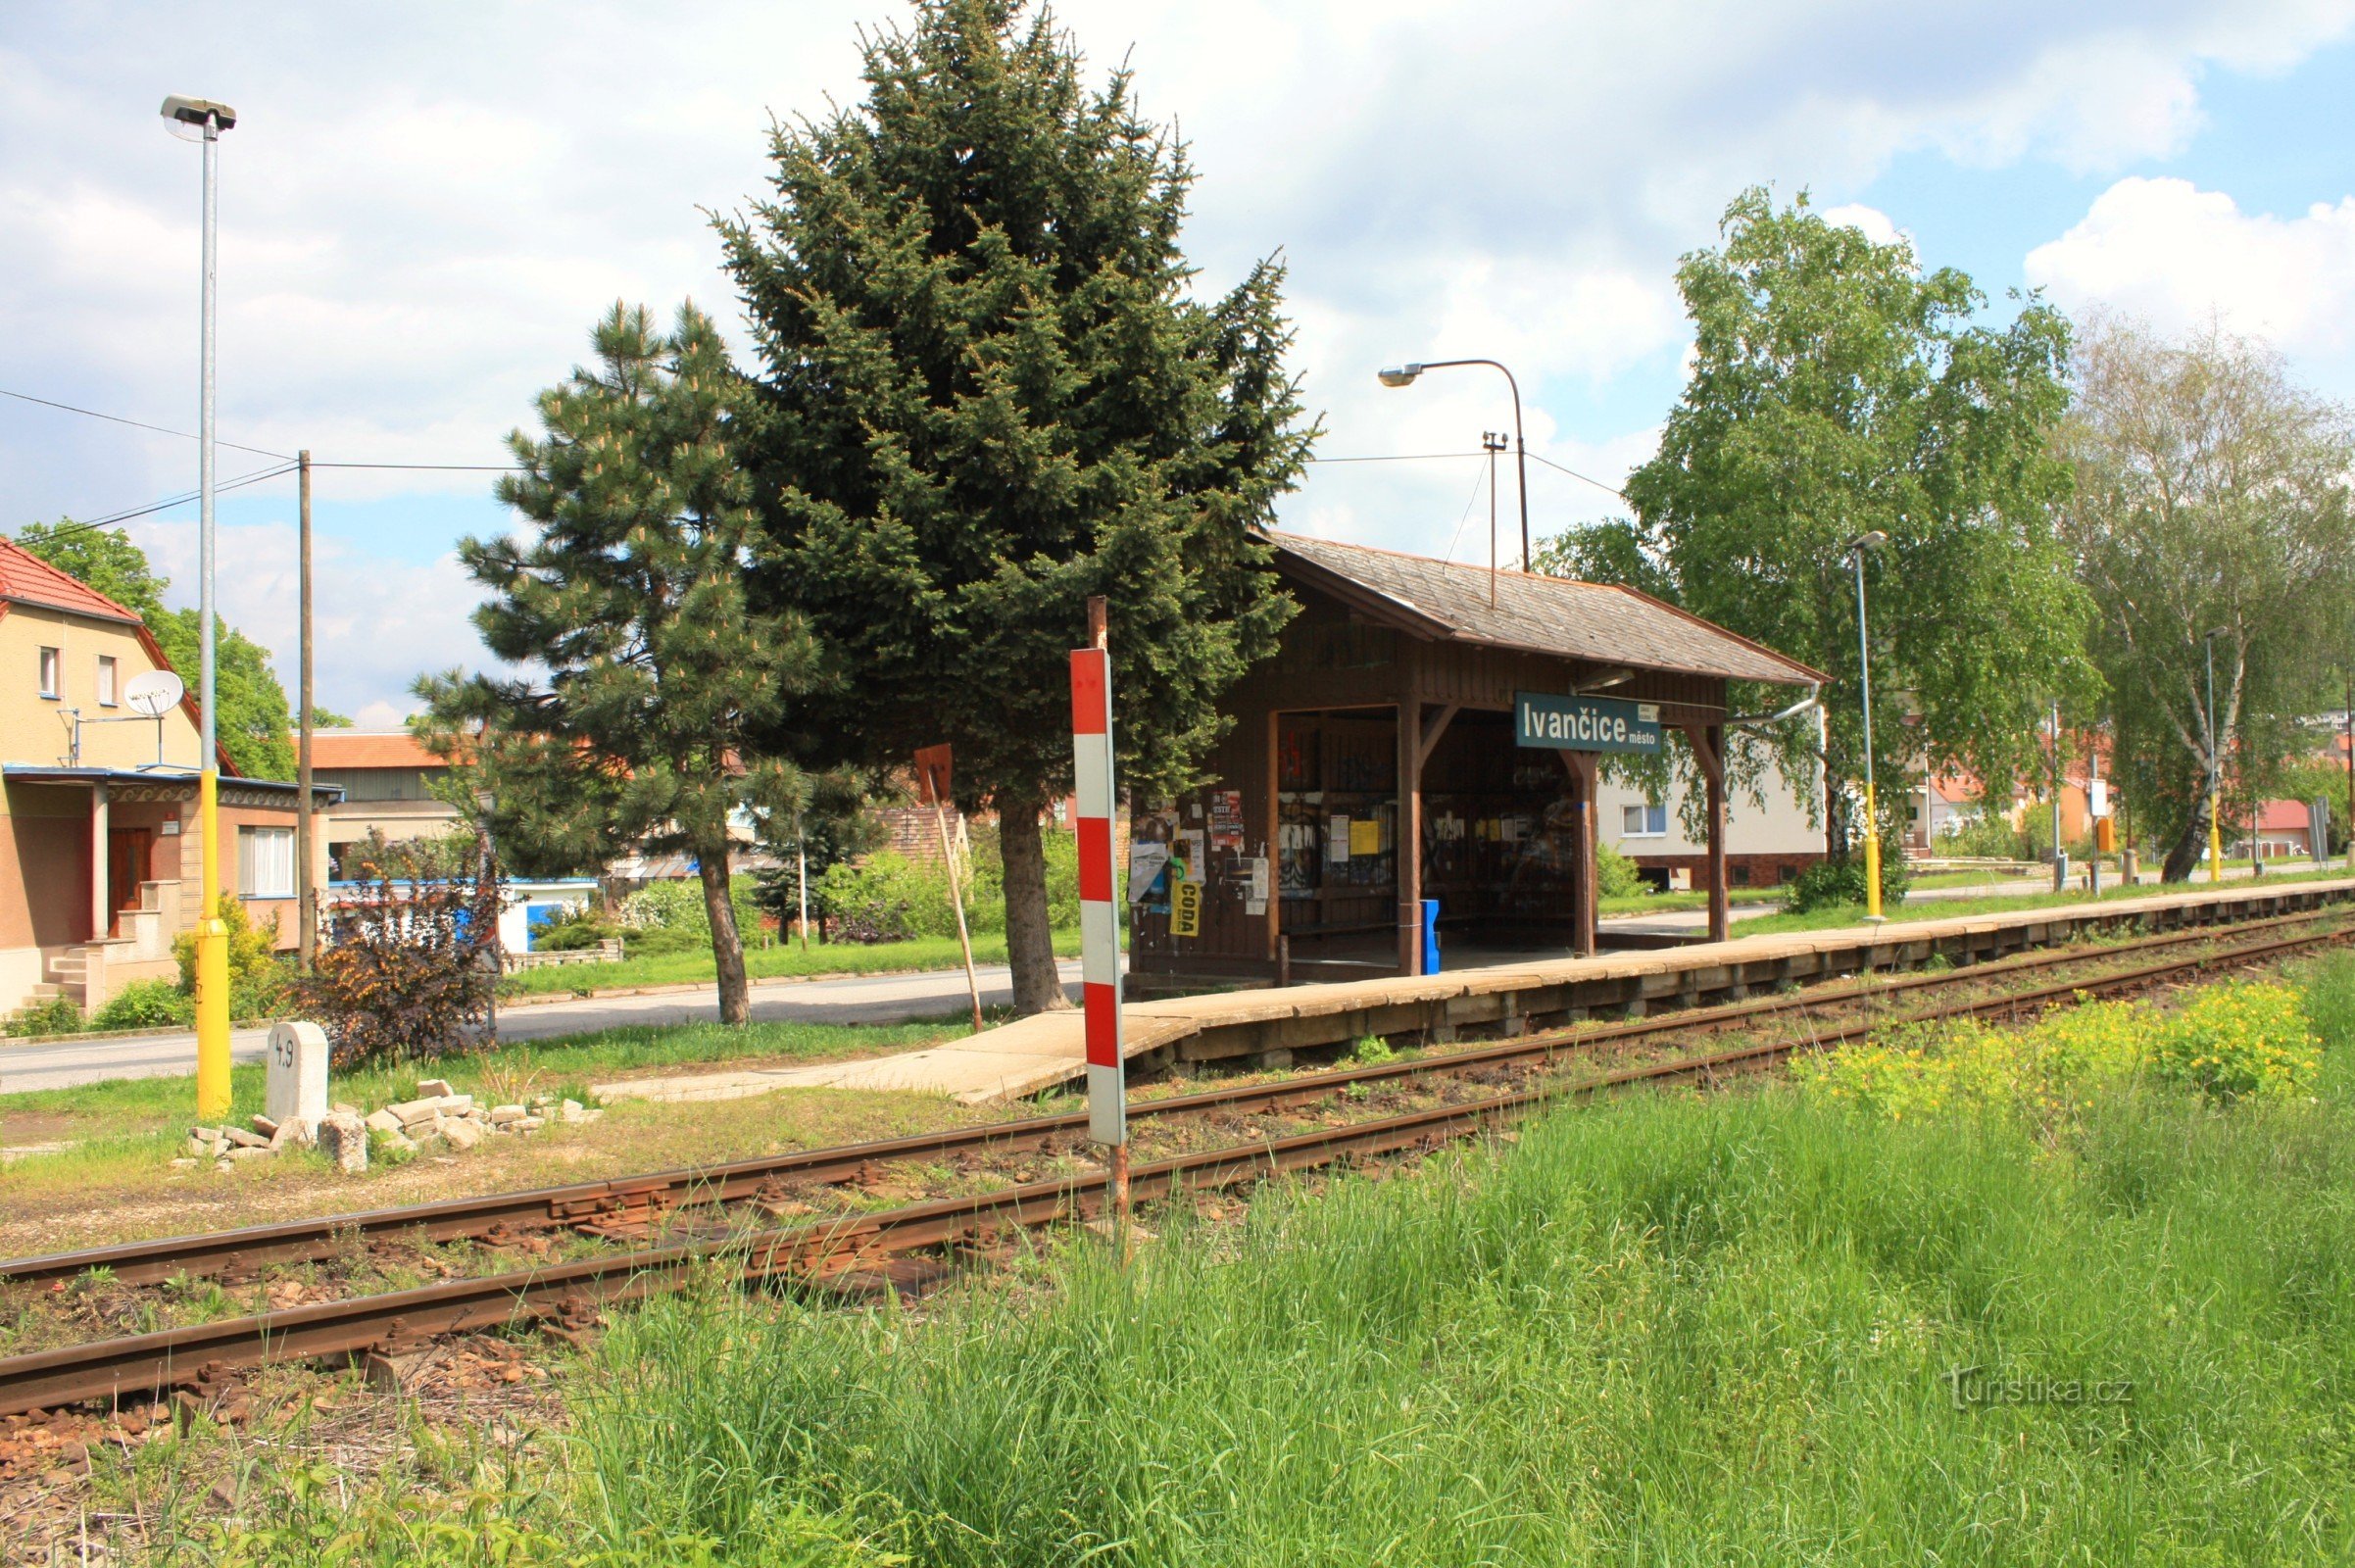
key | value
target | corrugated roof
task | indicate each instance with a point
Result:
(370, 748)
(1596, 622)
(27, 579)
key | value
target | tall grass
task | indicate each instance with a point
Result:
(1663, 1330)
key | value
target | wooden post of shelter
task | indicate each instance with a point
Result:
(1708, 742)
(1585, 887)
(1410, 833)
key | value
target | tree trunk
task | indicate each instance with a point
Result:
(728, 943)
(2184, 855)
(1029, 936)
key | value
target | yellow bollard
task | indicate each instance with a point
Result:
(2215, 844)
(212, 966)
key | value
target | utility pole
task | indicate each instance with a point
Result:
(2215, 771)
(1492, 442)
(305, 886)
(2350, 718)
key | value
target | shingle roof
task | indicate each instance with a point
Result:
(27, 579)
(1596, 622)
(362, 747)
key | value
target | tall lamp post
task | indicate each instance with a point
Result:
(1405, 375)
(1857, 547)
(2215, 829)
(200, 119)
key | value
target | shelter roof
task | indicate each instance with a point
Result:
(1596, 624)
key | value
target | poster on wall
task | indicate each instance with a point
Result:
(1226, 821)
(1145, 863)
(1337, 840)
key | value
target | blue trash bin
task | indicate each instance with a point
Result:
(1430, 958)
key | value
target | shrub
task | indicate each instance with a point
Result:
(678, 905)
(2238, 1040)
(147, 1004)
(405, 970)
(1834, 884)
(54, 1015)
(1615, 875)
(1985, 836)
(253, 949)
(570, 930)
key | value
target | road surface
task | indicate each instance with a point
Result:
(849, 998)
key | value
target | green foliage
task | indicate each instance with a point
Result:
(52, 1015)
(571, 930)
(1984, 836)
(678, 907)
(1840, 883)
(1372, 1051)
(2232, 1041)
(2210, 496)
(149, 1004)
(253, 948)
(1839, 387)
(1615, 875)
(994, 391)
(629, 591)
(254, 721)
(889, 898)
(1726, 1290)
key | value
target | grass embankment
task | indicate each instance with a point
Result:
(1767, 1327)
(125, 1132)
(784, 961)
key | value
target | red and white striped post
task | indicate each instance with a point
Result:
(1099, 897)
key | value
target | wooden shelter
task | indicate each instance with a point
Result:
(1425, 730)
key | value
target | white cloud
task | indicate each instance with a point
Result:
(1870, 221)
(423, 209)
(2180, 257)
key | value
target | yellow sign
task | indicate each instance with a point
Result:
(1184, 909)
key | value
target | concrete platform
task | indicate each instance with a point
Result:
(1041, 1053)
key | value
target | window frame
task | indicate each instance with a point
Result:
(250, 839)
(1646, 813)
(109, 689)
(52, 675)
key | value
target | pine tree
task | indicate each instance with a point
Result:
(990, 396)
(630, 597)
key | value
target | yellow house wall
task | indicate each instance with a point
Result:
(34, 728)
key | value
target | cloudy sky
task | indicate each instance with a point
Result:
(424, 207)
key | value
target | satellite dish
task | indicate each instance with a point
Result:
(153, 694)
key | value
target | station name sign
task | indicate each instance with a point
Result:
(1587, 723)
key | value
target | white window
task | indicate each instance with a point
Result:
(1643, 822)
(106, 681)
(53, 673)
(266, 863)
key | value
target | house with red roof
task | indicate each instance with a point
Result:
(100, 855)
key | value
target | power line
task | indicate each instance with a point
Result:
(165, 505)
(443, 468)
(1575, 474)
(1400, 457)
(141, 424)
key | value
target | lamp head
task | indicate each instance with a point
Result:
(1401, 374)
(1867, 541)
(190, 117)
(2220, 631)
(485, 802)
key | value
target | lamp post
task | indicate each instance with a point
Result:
(1405, 375)
(200, 119)
(1864, 665)
(2214, 830)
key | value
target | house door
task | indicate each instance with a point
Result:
(126, 858)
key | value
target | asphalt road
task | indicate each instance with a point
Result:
(851, 999)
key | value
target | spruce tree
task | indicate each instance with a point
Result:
(629, 596)
(992, 394)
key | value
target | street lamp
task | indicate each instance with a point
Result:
(200, 119)
(1405, 375)
(1864, 652)
(2214, 831)
(486, 908)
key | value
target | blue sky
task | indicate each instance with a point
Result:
(425, 208)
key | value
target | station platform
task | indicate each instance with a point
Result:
(1034, 1054)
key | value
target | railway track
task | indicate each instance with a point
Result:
(878, 1243)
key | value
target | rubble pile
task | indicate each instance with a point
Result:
(435, 1115)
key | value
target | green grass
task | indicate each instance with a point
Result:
(128, 1122)
(1999, 903)
(1661, 1330)
(763, 963)
(1671, 903)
